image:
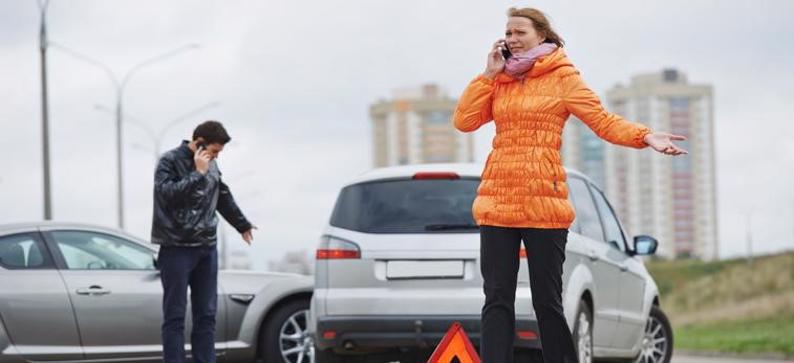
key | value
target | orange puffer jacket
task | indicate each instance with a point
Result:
(523, 184)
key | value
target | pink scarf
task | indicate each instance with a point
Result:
(519, 64)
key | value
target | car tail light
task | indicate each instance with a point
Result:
(431, 175)
(527, 335)
(332, 248)
(329, 334)
(522, 253)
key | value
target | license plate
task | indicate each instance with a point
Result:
(424, 269)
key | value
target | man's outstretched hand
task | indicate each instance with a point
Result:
(248, 236)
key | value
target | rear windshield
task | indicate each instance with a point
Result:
(407, 206)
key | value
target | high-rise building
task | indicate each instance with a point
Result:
(670, 198)
(416, 127)
(583, 151)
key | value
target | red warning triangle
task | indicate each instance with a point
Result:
(455, 344)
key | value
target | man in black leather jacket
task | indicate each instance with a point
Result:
(188, 190)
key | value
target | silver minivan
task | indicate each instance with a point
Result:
(398, 263)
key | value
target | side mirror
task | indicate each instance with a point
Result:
(645, 245)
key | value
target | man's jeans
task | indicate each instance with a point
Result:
(196, 267)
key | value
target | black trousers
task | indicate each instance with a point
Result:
(499, 261)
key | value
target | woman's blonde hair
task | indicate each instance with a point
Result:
(540, 22)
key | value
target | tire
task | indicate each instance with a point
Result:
(657, 341)
(583, 333)
(289, 320)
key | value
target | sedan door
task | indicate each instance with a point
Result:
(34, 304)
(116, 293)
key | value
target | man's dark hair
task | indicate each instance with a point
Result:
(212, 132)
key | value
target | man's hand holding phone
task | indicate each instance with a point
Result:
(496, 59)
(202, 159)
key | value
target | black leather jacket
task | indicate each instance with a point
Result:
(185, 202)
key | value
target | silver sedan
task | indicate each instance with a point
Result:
(72, 292)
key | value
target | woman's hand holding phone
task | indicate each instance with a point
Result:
(496, 61)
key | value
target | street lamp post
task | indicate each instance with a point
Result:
(45, 115)
(750, 237)
(157, 137)
(119, 88)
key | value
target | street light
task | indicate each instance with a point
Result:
(750, 237)
(119, 86)
(45, 113)
(157, 137)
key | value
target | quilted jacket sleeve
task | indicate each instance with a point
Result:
(584, 104)
(474, 107)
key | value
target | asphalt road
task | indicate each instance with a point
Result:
(691, 359)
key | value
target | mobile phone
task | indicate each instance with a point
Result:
(200, 146)
(506, 52)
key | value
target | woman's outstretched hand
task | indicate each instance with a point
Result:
(663, 143)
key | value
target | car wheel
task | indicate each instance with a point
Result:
(657, 342)
(286, 339)
(583, 333)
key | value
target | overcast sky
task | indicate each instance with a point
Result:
(294, 80)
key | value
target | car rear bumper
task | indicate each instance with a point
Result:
(357, 333)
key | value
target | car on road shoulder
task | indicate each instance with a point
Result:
(398, 263)
(74, 292)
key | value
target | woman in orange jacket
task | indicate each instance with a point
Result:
(523, 194)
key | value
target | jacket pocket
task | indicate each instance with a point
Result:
(481, 208)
